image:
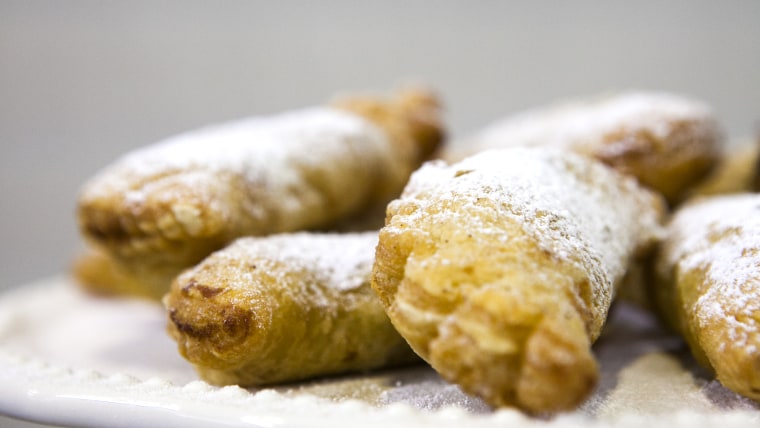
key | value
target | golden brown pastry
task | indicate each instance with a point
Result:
(668, 142)
(708, 286)
(283, 308)
(99, 273)
(737, 172)
(167, 206)
(499, 270)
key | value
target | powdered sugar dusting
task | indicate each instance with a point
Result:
(578, 124)
(341, 261)
(262, 149)
(721, 237)
(577, 209)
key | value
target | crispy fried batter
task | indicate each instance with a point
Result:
(167, 206)
(499, 270)
(708, 286)
(283, 308)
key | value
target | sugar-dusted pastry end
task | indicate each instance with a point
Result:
(499, 270)
(413, 119)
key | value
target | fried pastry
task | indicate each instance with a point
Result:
(98, 273)
(167, 206)
(283, 308)
(499, 270)
(708, 286)
(737, 172)
(666, 141)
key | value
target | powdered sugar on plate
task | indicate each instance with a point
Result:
(71, 359)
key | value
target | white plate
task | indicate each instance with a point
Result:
(73, 359)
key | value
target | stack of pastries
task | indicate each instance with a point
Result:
(496, 264)
(164, 208)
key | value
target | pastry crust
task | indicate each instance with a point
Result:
(666, 141)
(737, 172)
(708, 286)
(283, 308)
(99, 273)
(499, 270)
(167, 206)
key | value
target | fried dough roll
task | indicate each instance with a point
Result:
(283, 308)
(666, 141)
(499, 270)
(99, 273)
(169, 205)
(708, 286)
(737, 172)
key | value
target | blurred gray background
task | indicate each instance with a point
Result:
(82, 82)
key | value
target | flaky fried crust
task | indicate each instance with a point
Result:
(98, 273)
(499, 270)
(173, 203)
(708, 286)
(283, 308)
(667, 142)
(737, 172)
